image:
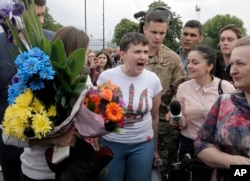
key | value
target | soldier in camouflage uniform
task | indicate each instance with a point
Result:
(168, 66)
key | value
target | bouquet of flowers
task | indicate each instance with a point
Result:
(48, 93)
(106, 101)
(45, 92)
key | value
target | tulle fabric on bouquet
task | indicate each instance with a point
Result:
(88, 123)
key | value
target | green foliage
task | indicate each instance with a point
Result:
(122, 28)
(68, 82)
(49, 22)
(173, 35)
(211, 28)
(156, 4)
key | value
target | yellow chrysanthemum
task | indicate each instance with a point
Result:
(52, 111)
(41, 125)
(114, 112)
(24, 99)
(15, 127)
(22, 112)
(37, 106)
(9, 112)
(6, 126)
(18, 126)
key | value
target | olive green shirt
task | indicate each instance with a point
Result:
(168, 66)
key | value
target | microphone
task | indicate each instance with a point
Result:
(175, 110)
(139, 14)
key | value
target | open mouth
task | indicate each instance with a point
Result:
(140, 64)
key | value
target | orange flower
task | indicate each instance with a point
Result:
(86, 102)
(114, 112)
(95, 99)
(106, 94)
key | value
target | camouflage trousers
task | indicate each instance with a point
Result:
(167, 144)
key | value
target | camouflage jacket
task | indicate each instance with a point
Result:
(168, 66)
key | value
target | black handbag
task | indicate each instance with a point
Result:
(190, 169)
(84, 163)
(220, 91)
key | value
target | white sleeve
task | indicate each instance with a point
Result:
(8, 140)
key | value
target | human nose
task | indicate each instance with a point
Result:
(41, 19)
(188, 37)
(189, 65)
(233, 69)
(157, 36)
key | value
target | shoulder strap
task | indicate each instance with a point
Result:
(220, 91)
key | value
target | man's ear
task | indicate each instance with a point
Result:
(123, 55)
(201, 39)
(143, 29)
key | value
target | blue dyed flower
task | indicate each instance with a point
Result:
(33, 69)
(15, 90)
(36, 85)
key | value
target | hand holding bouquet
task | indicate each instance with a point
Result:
(105, 103)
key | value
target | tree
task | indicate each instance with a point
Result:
(49, 22)
(173, 36)
(211, 28)
(122, 28)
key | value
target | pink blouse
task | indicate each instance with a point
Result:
(196, 102)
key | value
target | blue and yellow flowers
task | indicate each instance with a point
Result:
(33, 69)
(27, 115)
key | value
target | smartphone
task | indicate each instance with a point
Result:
(96, 60)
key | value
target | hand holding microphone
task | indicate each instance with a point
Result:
(175, 113)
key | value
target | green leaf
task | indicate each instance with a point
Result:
(64, 102)
(33, 30)
(67, 74)
(46, 46)
(65, 87)
(58, 55)
(16, 37)
(76, 62)
(79, 88)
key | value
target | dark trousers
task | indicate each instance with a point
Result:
(200, 172)
(10, 161)
(186, 146)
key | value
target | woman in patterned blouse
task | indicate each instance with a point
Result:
(224, 138)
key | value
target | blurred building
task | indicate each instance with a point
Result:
(97, 44)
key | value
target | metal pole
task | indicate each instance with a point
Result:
(85, 16)
(103, 31)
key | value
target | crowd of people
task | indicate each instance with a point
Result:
(210, 83)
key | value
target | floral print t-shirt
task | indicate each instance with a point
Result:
(227, 127)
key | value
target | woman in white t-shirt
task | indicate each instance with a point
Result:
(136, 150)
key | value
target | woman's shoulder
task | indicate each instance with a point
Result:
(186, 83)
(227, 86)
(111, 70)
(151, 75)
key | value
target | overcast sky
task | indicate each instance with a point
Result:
(72, 12)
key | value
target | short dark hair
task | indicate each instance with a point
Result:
(156, 16)
(208, 53)
(194, 24)
(232, 27)
(134, 38)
